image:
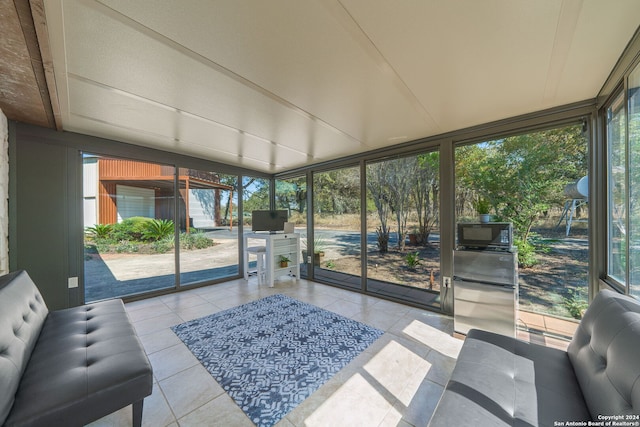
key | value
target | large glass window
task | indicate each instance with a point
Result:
(623, 189)
(403, 238)
(634, 181)
(291, 195)
(130, 232)
(208, 207)
(335, 249)
(255, 197)
(129, 227)
(617, 190)
(538, 182)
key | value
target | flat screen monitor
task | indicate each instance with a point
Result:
(271, 221)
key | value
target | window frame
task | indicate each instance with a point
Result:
(620, 94)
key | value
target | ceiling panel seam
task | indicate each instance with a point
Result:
(349, 23)
(172, 140)
(565, 30)
(136, 97)
(143, 29)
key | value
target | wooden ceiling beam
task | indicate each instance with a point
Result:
(24, 90)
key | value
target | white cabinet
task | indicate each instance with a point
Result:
(283, 245)
(279, 245)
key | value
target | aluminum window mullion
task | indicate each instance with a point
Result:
(627, 190)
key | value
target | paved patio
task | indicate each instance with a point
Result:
(546, 324)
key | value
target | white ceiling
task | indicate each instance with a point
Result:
(274, 85)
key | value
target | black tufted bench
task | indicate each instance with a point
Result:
(68, 367)
(501, 381)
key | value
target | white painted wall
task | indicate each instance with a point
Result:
(135, 201)
(4, 194)
(90, 190)
(201, 208)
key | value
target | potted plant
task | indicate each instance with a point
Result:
(483, 207)
(284, 261)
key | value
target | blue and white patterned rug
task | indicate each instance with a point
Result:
(271, 354)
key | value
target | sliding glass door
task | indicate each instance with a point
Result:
(255, 196)
(403, 236)
(538, 182)
(334, 250)
(291, 195)
(208, 206)
(129, 227)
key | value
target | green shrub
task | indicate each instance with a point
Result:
(195, 240)
(412, 259)
(142, 235)
(163, 245)
(576, 303)
(130, 229)
(125, 246)
(158, 229)
(526, 253)
(103, 246)
(99, 231)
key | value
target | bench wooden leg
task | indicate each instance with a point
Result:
(137, 413)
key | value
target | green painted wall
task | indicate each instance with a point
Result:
(39, 217)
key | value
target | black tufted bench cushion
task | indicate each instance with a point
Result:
(605, 354)
(501, 381)
(85, 363)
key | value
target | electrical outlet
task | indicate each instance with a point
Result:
(72, 282)
(447, 281)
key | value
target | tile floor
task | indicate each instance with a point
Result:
(396, 382)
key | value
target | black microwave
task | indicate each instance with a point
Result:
(493, 235)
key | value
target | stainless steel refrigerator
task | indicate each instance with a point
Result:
(485, 291)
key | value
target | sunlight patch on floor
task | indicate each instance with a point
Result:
(372, 396)
(433, 338)
(356, 403)
(399, 370)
